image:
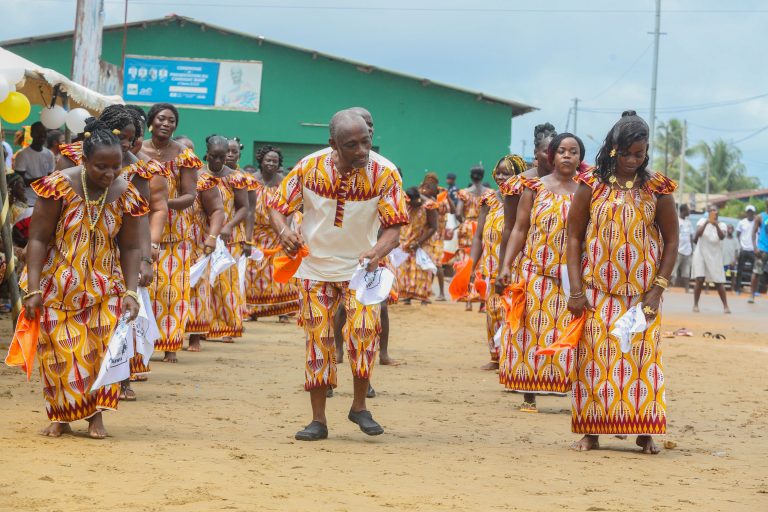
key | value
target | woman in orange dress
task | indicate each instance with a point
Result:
(170, 289)
(82, 274)
(622, 245)
(485, 251)
(442, 202)
(467, 211)
(537, 250)
(227, 299)
(265, 296)
(414, 282)
(206, 222)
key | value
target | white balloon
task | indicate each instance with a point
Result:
(5, 88)
(13, 75)
(76, 119)
(53, 118)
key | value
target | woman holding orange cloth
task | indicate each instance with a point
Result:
(537, 249)
(622, 245)
(82, 274)
(485, 250)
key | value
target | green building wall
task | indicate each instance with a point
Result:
(419, 127)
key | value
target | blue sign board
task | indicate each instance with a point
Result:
(177, 81)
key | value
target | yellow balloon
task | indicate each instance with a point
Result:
(15, 108)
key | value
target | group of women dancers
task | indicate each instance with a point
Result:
(564, 251)
(556, 257)
(124, 210)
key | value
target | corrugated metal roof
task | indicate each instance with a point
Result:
(517, 107)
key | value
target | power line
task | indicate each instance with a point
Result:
(756, 132)
(682, 108)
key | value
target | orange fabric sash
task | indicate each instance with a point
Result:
(459, 286)
(286, 266)
(569, 341)
(514, 304)
(480, 285)
(24, 345)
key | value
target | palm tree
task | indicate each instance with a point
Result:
(669, 143)
(722, 168)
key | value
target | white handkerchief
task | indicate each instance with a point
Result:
(631, 322)
(256, 254)
(242, 263)
(371, 287)
(221, 260)
(115, 366)
(564, 280)
(197, 270)
(397, 256)
(497, 338)
(424, 261)
(145, 327)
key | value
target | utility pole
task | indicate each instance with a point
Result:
(652, 120)
(575, 115)
(682, 162)
(86, 47)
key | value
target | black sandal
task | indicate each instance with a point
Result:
(315, 431)
(364, 420)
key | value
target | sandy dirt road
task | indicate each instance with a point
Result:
(215, 432)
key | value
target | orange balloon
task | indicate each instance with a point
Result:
(15, 108)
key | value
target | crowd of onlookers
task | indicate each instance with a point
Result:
(723, 254)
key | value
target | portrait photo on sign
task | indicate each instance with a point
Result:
(239, 85)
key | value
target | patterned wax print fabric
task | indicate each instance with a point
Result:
(413, 282)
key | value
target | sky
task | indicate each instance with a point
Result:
(711, 57)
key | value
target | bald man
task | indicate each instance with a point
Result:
(347, 195)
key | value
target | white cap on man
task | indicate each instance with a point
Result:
(750, 208)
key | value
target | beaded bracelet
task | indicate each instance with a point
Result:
(32, 294)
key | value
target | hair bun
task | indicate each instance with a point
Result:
(92, 124)
(629, 113)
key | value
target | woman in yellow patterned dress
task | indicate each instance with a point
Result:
(265, 296)
(170, 289)
(82, 274)
(485, 250)
(622, 245)
(227, 300)
(430, 189)
(206, 222)
(413, 282)
(467, 211)
(537, 248)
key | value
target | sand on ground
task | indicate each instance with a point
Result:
(215, 431)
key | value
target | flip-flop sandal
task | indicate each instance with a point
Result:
(719, 336)
(329, 393)
(683, 332)
(364, 420)
(315, 431)
(707, 334)
(528, 407)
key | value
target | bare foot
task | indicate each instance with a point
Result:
(468, 307)
(170, 357)
(647, 444)
(386, 360)
(727, 311)
(340, 357)
(623, 437)
(139, 378)
(194, 343)
(481, 309)
(56, 429)
(283, 319)
(695, 309)
(493, 365)
(96, 427)
(586, 443)
(440, 298)
(227, 339)
(426, 302)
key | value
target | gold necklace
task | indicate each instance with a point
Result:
(101, 201)
(627, 185)
(157, 149)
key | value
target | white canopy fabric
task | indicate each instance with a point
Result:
(37, 79)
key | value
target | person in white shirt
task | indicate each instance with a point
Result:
(744, 232)
(682, 269)
(35, 161)
(708, 257)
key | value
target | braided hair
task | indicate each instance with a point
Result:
(557, 140)
(262, 152)
(237, 140)
(216, 140)
(139, 118)
(159, 107)
(515, 165)
(97, 133)
(629, 129)
(541, 133)
(117, 117)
